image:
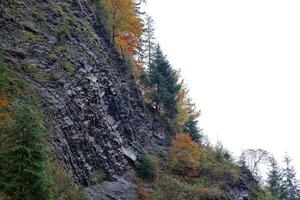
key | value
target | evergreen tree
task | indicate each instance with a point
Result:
(274, 179)
(290, 186)
(149, 40)
(22, 157)
(191, 127)
(164, 80)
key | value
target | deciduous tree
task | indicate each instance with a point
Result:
(184, 155)
(187, 117)
(253, 159)
(124, 24)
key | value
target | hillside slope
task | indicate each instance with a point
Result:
(95, 111)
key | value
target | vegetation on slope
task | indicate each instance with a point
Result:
(26, 168)
(189, 170)
(192, 171)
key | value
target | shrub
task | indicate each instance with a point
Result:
(69, 68)
(145, 166)
(221, 153)
(175, 188)
(184, 155)
(142, 192)
(63, 34)
(99, 175)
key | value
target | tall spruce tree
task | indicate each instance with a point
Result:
(290, 185)
(23, 159)
(274, 179)
(149, 40)
(164, 80)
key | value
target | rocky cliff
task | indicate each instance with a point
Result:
(95, 111)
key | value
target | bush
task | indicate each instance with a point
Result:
(145, 166)
(221, 153)
(99, 175)
(142, 191)
(175, 188)
(212, 170)
(184, 155)
(63, 34)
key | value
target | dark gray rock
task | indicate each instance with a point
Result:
(121, 189)
(95, 108)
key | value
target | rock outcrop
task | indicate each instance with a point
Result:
(96, 111)
(246, 188)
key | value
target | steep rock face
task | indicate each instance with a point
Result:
(96, 112)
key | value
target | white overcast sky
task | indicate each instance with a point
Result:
(241, 62)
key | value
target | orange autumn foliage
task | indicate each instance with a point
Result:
(179, 122)
(186, 109)
(184, 155)
(124, 25)
(3, 103)
(142, 192)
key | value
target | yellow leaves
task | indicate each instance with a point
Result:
(186, 108)
(184, 155)
(183, 114)
(124, 24)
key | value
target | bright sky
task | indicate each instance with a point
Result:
(241, 62)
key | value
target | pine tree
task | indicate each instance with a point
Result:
(290, 186)
(149, 40)
(24, 174)
(164, 80)
(274, 179)
(191, 127)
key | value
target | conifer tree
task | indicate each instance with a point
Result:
(149, 40)
(274, 179)
(164, 80)
(191, 127)
(290, 185)
(23, 158)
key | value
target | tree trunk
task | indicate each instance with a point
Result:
(122, 52)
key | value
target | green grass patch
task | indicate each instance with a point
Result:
(99, 175)
(68, 67)
(41, 75)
